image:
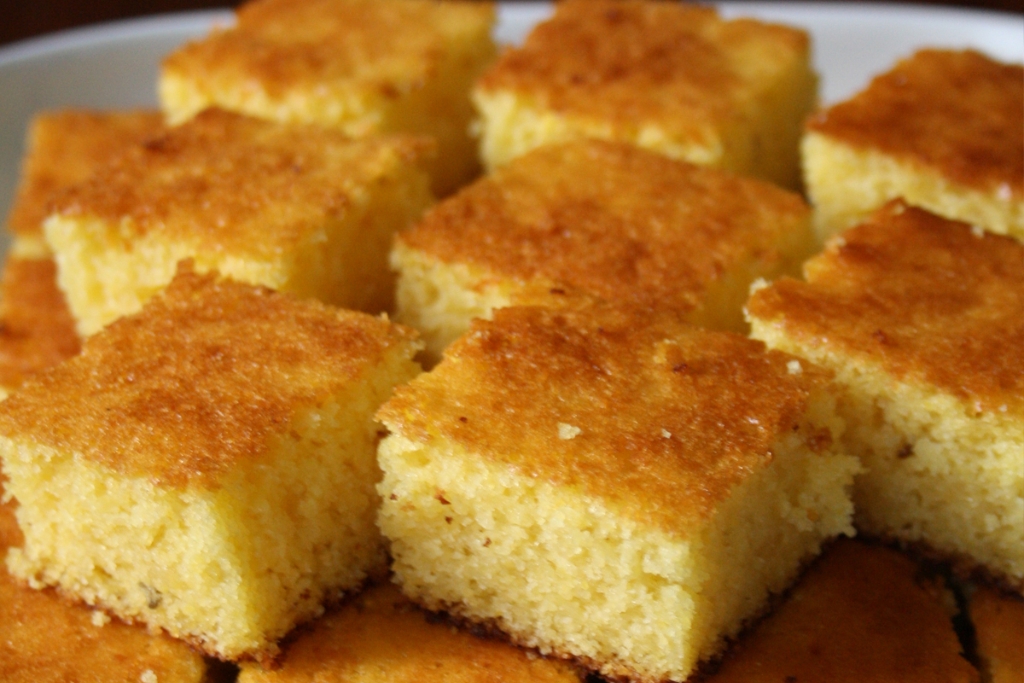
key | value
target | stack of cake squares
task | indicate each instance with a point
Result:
(652, 404)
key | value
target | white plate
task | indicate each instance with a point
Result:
(115, 65)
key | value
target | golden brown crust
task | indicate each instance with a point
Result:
(959, 113)
(998, 621)
(198, 380)
(860, 613)
(329, 45)
(195, 182)
(381, 636)
(612, 220)
(64, 148)
(10, 532)
(928, 299)
(595, 59)
(631, 406)
(44, 639)
(36, 328)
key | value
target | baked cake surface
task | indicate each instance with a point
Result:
(208, 465)
(36, 328)
(63, 148)
(942, 129)
(361, 65)
(922, 320)
(998, 621)
(672, 77)
(380, 637)
(860, 613)
(609, 484)
(605, 218)
(296, 208)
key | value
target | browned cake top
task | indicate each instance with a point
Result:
(198, 381)
(613, 220)
(36, 327)
(999, 632)
(46, 640)
(928, 299)
(380, 637)
(230, 183)
(959, 113)
(630, 406)
(312, 45)
(859, 614)
(64, 147)
(626, 63)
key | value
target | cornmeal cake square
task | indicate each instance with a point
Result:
(672, 77)
(296, 208)
(922, 320)
(998, 621)
(380, 637)
(610, 484)
(860, 613)
(36, 327)
(606, 218)
(942, 129)
(207, 466)
(364, 66)
(62, 149)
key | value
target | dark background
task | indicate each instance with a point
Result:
(36, 17)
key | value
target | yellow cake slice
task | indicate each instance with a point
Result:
(672, 77)
(860, 613)
(381, 637)
(364, 66)
(606, 218)
(942, 129)
(610, 484)
(296, 208)
(64, 148)
(998, 621)
(36, 327)
(922, 320)
(207, 466)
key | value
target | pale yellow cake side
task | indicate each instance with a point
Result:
(871, 178)
(935, 472)
(642, 601)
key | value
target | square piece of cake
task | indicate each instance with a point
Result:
(296, 208)
(364, 66)
(380, 637)
(207, 466)
(860, 613)
(64, 148)
(922, 321)
(672, 77)
(943, 129)
(610, 484)
(606, 218)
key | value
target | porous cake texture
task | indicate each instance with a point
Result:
(942, 129)
(922, 321)
(207, 466)
(381, 637)
(36, 327)
(606, 218)
(610, 484)
(63, 147)
(363, 66)
(998, 621)
(672, 77)
(296, 208)
(860, 613)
